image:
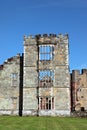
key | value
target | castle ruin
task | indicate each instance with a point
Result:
(39, 82)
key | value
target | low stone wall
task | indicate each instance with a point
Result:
(9, 112)
(54, 113)
(46, 113)
(79, 114)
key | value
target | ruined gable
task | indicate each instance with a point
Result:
(9, 86)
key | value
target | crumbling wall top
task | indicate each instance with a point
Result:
(84, 71)
(1, 67)
(9, 61)
(77, 72)
(46, 39)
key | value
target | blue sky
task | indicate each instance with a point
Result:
(26, 17)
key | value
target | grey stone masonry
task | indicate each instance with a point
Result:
(36, 91)
(38, 82)
(9, 86)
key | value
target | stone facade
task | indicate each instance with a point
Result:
(9, 86)
(39, 81)
(79, 90)
(39, 96)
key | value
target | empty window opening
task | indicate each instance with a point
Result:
(46, 103)
(14, 79)
(46, 78)
(46, 52)
(82, 109)
(82, 96)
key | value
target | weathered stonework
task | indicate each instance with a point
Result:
(39, 82)
(60, 89)
(79, 90)
(9, 94)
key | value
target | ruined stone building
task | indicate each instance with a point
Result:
(38, 82)
(79, 90)
(46, 79)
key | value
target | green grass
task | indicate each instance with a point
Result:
(42, 123)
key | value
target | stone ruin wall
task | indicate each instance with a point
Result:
(9, 94)
(60, 65)
(22, 98)
(79, 90)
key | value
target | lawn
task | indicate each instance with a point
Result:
(42, 123)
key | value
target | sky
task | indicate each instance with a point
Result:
(31, 17)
